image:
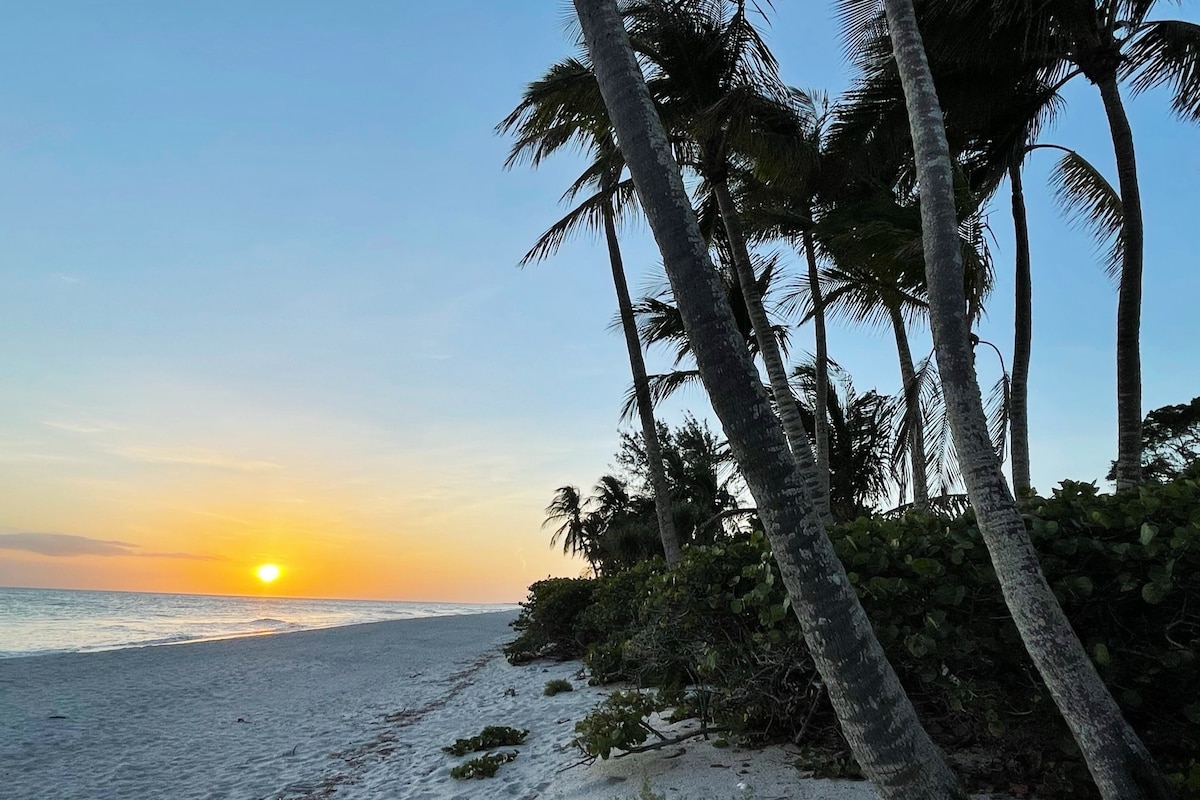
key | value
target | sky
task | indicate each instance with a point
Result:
(261, 302)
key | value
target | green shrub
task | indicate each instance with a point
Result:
(482, 767)
(607, 624)
(547, 620)
(557, 686)
(617, 723)
(1126, 568)
(720, 621)
(717, 637)
(492, 736)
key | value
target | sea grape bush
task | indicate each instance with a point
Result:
(618, 723)
(1124, 567)
(548, 620)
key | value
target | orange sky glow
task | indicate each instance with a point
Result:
(173, 517)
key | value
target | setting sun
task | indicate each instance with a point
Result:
(268, 572)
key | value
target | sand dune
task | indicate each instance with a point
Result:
(354, 713)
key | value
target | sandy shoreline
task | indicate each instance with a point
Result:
(354, 713)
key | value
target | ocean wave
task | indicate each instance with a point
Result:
(271, 622)
(47, 621)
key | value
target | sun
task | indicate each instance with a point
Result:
(268, 572)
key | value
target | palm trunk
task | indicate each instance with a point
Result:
(768, 347)
(1119, 762)
(912, 410)
(641, 389)
(877, 718)
(1018, 408)
(1129, 297)
(821, 371)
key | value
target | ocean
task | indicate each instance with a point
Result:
(41, 621)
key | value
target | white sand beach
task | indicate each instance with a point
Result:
(353, 713)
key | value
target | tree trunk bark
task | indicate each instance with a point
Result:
(768, 347)
(912, 410)
(821, 404)
(1129, 296)
(641, 389)
(1119, 762)
(877, 718)
(1018, 409)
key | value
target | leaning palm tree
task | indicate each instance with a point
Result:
(564, 108)
(994, 113)
(779, 199)
(1119, 762)
(877, 718)
(1107, 42)
(718, 86)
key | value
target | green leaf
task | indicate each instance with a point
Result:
(1153, 593)
(927, 567)
(1148, 533)
(919, 645)
(1100, 654)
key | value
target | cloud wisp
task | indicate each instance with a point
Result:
(195, 458)
(66, 545)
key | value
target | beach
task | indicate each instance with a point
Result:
(355, 713)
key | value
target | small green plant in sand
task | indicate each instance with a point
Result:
(556, 686)
(492, 736)
(618, 723)
(482, 767)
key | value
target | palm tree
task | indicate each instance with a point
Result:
(877, 717)
(1119, 762)
(1106, 41)
(995, 109)
(872, 236)
(778, 198)
(871, 284)
(717, 84)
(578, 536)
(562, 108)
(861, 462)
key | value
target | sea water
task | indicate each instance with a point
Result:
(40, 621)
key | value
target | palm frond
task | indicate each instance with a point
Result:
(661, 387)
(1167, 53)
(588, 215)
(1089, 201)
(997, 407)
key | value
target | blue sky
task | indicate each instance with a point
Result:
(261, 301)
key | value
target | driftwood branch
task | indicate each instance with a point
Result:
(669, 742)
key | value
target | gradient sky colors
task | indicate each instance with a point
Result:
(260, 301)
